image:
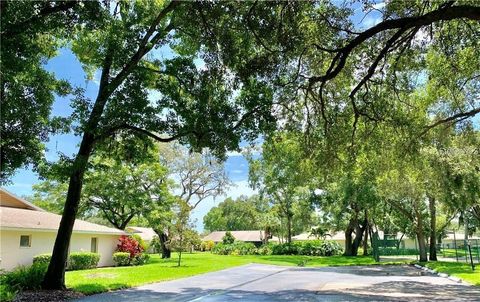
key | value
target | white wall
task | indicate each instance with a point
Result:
(13, 255)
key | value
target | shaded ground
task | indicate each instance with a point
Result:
(258, 282)
(47, 296)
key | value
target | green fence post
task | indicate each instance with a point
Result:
(455, 245)
(478, 250)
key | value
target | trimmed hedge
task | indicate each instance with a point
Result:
(75, 261)
(42, 258)
(82, 260)
(121, 258)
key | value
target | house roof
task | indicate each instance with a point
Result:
(15, 218)
(248, 236)
(10, 200)
(146, 234)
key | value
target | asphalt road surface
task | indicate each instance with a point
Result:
(258, 282)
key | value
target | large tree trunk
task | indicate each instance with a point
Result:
(365, 241)
(359, 230)
(55, 276)
(349, 240)
(166, 251)
(422, 248)
(433, 231)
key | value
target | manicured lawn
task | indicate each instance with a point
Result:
(105, 279)
(457, 269)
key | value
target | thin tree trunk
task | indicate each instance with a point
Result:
(433, 229)
(289, 231)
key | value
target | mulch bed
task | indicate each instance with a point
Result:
(47, 296)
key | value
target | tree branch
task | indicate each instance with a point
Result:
(452, 119)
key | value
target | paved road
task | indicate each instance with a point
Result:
(257, 282)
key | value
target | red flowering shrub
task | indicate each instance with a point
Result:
(128, 244)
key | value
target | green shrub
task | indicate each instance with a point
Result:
(228, 238)
(42, 258)
(236, 248)
(308, 248)
(206, 246)
(140, 241)
(265, 250)
(82, 260)
(141, 259)
(7, 294)
(24, 277)
(330, 248)
(121, 258)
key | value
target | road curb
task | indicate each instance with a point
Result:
(434, 272)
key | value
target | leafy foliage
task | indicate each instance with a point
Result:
(228, 238)
(206, 246)
(24, 277)
(129, 244)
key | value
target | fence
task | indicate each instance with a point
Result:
(457, 250)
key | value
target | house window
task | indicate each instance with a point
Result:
(94, 245)
(25, 241)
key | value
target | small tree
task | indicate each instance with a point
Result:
(180, 228)
(228, 238)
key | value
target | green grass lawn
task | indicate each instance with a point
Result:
(457, 269)
(105, 279)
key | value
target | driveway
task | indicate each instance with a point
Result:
(258, 282)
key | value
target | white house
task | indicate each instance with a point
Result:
(27, 230)
(256, 237)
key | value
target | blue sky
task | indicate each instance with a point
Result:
(66, 66)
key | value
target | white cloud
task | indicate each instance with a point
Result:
(379, 5)
(371, 21)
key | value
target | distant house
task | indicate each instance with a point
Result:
(146, 234)
(27, 230)
(255, 237)
(334, 236)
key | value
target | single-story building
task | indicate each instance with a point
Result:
(27, 230)
(256, 237)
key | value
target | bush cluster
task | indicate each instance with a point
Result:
(21, 278)
(308, 248)
(235, 248)
(75, 261)
(130, 251)
(206, 246)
